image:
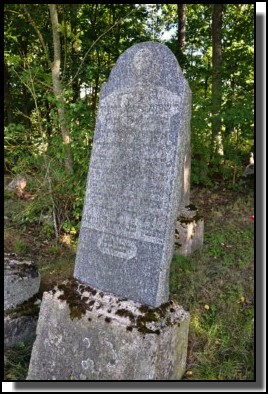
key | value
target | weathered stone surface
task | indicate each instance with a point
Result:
(108, 339)
(21, 281)
(247, 180)
(249, 171)
(189, 233)
(135, 183)
(186, 172)
(19, 329)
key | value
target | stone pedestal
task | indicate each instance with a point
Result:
(21, 285)
(84, 334)
(189, 232)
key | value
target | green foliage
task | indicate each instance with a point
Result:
(92, 37)
(58, 200)
(16, 147)
(237, 89)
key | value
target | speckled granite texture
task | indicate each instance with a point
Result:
(135, 183)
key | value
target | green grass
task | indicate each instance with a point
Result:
(20, 247)
(215, 284)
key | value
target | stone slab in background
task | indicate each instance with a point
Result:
(189, 233)
(21, 281)
(108, 339)
(248, 177)
(136, 178)
(21, 287)
(19, 329)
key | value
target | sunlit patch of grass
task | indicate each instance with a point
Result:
(216, 286)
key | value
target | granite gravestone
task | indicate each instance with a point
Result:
(135, 183)
(134, 191)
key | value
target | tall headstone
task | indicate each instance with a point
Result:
(114, 321)
(136, 178)
(189, 232)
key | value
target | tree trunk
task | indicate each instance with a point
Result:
(96, 86)
(8, 106)
(181, 33)
(25, 110)
(57, 88)
(216, 74)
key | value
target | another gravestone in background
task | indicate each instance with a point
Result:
(134, 191)
(189, 231)
(248, 178)
(135, 182)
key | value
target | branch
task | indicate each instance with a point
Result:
(41, 39)
(48, 87)
(107, 31)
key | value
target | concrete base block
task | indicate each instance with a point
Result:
(189, 233)
(85, 334)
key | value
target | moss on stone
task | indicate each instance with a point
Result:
(77, 306)
(23, 270)
(27, 308)
(184, 220)
(125, 313)
(162, 310)
(153, 315)
(142, 327)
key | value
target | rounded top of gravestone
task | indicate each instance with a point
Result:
(147, 63)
